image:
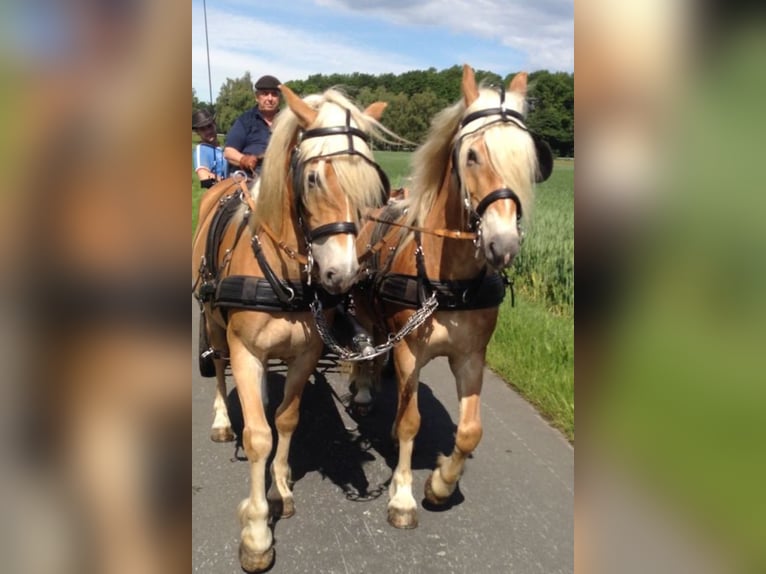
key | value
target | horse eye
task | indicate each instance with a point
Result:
(312, 179)
(472, 157)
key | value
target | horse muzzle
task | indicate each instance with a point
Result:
(501, 250)
(336, 281)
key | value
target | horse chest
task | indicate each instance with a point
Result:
(281, 337)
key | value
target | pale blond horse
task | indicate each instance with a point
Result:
(473, 178)
(318, 175)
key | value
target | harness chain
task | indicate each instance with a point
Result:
(415, 320)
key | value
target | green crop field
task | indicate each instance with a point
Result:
(533, 345)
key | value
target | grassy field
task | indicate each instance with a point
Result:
(533, 345)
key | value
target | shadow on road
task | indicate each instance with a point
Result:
(339, 445)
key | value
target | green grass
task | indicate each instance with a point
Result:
(533, 349)
(544, 270)
(396, 164)
(533, 345)
(196, 195)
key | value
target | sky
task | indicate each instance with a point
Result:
(293, 39)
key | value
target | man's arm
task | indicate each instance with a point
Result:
(235, 143)
(232, 155)
(244, 160)
(204, 156)
(206, 177)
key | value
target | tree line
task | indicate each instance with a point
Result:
(414, 97)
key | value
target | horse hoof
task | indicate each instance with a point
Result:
(403, 518)
(255, 561)
(281, 507)
(222, 435)
(362, 409)
(431, 495)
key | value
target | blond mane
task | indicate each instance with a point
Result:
(511, 153)
(356, 175)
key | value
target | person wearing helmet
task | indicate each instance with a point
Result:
(209, 163)
(248, 137)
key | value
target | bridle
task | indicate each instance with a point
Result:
(474, 233)
(502, 114)
(297, 166)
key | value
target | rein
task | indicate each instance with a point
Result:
(438, 232)
(497, 195)
(289, 251)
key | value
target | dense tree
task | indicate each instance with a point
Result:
(421, 107)
(235, 97)
(415, 96)
(552, 116)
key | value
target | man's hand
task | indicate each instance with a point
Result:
(248, 162)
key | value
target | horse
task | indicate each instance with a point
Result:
(301, 218)
(436, 264)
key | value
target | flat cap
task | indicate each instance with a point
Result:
(267, 83)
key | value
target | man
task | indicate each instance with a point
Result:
(247, 140)
(209, 163)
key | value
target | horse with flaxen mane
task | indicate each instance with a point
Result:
(436, 263)
(261, 257)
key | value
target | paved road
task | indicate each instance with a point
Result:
(512, 513)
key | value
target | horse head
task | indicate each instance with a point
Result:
(333, 179)
(496, 161)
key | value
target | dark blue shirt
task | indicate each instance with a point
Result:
(250, 133)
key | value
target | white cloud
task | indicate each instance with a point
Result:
(511, 35)
(542, 29)
(239, 44)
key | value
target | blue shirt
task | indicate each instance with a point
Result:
(250, 134)
(211, 157)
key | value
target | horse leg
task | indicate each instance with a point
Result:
(362, 376)
(256, 551)
(468, 371)
(402, 508)
(361, 382)
(221, 430)
(280, 495)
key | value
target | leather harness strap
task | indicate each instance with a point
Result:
(258, 294)
(289, 251)
(284, 292)
(439, 232)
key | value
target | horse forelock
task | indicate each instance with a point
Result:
(513, 157)
(358, 179)
(510, 147)
(511, 151)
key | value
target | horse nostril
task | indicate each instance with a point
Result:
(330, 274)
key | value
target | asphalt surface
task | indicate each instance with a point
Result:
(513, 511)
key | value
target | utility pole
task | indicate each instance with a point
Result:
(207, 47)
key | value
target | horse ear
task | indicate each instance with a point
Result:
(470, 91)
(375, 110)
(519, 84)
(306, 114)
